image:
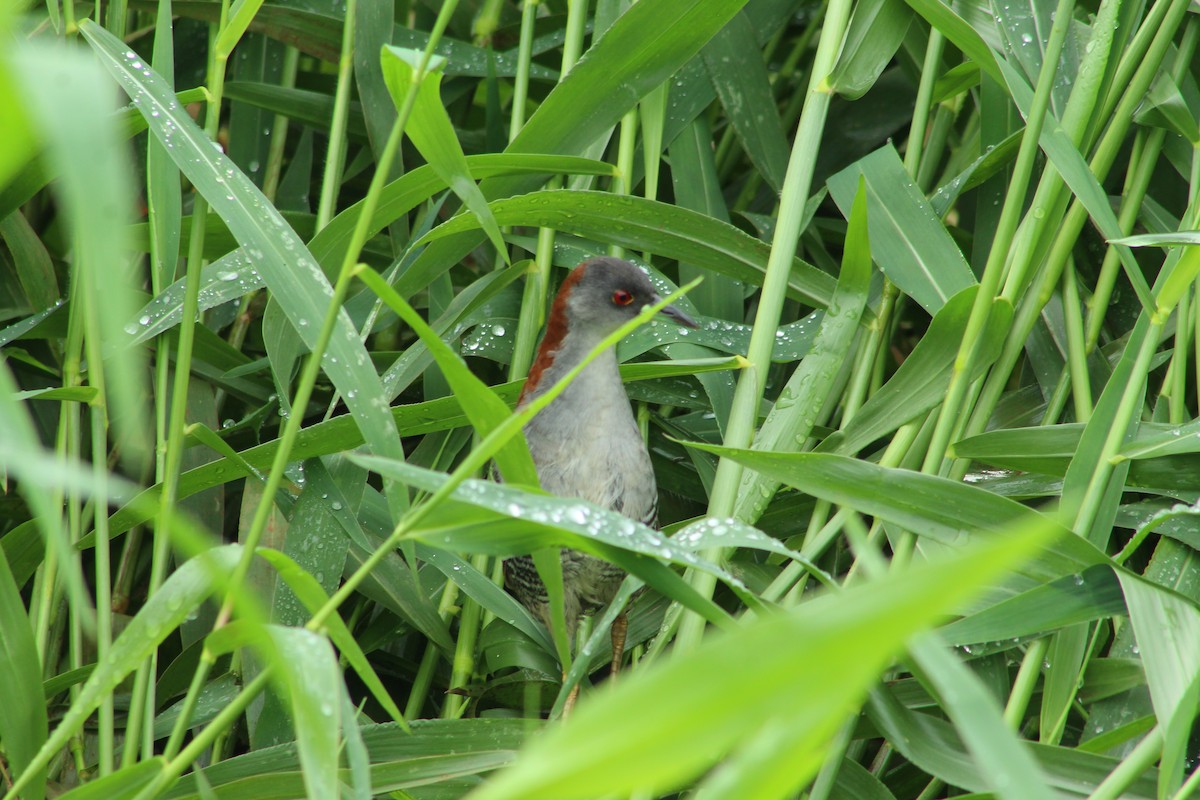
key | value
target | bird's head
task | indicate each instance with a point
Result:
(599, 296)
(603, 293)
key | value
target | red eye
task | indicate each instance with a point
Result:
(622, 297)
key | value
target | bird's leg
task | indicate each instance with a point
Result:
(620, 629)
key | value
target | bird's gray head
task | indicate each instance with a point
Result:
(599, 296)
(603, 293)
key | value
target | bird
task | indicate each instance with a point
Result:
(586, 444)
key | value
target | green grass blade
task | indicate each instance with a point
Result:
(734, 62)
(768, 672)
(485, 410)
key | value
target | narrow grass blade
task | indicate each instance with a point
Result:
(1005, 761)
(485, 410)
(73, 104)
(313, 596)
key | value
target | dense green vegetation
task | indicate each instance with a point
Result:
(929, 468)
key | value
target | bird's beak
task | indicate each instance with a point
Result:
(680, 317)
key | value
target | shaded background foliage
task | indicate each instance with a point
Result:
(929, 467)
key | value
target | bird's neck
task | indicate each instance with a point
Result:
(561, 353)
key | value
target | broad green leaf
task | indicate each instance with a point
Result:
(936, 747)
(217, 694)
(526, 519)
(1047, 448)
(877, 29)
(417, 185)
(313, 596)
(644, 47)
(1106, 677)
(856, 782)
(1161, 458)
(1167, 627)
(945, 510)
(909, 241)
(71, 394)
(310, 669)
(122, 783)
(473, 304)
(804, 670)
(711, 532)
(1091, 594)
(735, 65)
(392, 584)
(300, 105)
(695, 185)
(320, 34)
(430, 130)
(1166, 107)
(640, 224)
(793, 340)
(977, 172)
(31, 260)
(1025, 30)
(434, 751)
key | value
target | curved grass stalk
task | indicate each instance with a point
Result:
(335, 157)
(950, 418)
(743, 415)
